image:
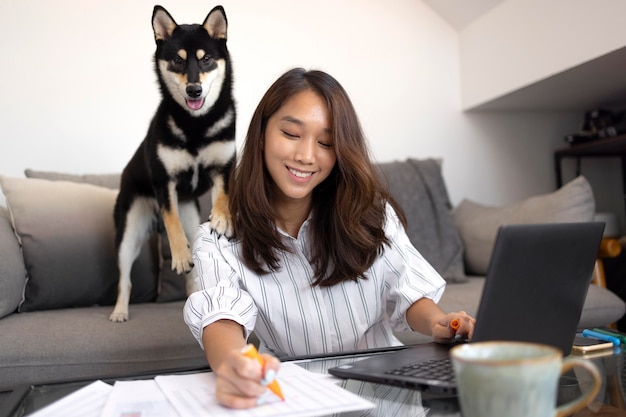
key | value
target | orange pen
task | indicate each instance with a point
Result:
(455, 324)
(251, 352)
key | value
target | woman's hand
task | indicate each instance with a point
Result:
(426, 317)
(241, 381)
(453, 326)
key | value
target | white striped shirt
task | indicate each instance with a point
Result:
(291, 317)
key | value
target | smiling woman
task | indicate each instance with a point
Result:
(320, 260)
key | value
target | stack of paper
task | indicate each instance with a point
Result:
(193, 395)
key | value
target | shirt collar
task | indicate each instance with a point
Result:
(302, 232)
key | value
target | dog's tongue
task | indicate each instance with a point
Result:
(195, 104)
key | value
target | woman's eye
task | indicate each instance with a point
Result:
(325, 145)
(289, 135)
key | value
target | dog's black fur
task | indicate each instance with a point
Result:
(189, 147)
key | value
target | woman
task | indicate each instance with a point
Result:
(320, 261)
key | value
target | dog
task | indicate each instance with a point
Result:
(189, 148)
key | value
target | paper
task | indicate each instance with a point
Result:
(193, 395)
(86, 402)
(137, 399)
(306, 394)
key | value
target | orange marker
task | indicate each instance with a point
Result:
(455, 324)
(251, 352)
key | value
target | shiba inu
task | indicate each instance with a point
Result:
(189, 148)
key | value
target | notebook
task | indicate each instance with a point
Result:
(534, 291)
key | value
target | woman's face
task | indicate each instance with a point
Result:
(298, 148)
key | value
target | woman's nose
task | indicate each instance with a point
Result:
(305, 151)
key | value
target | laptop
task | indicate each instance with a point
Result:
(534, 291)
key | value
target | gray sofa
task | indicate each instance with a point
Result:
(58, 276)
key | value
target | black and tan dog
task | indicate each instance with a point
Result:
(189, 148)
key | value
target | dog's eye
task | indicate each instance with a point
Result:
(178, 61)
(206, 60)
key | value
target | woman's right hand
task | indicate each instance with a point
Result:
(241, 380)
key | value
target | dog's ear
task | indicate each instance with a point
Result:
(163, 24)
(216, 23)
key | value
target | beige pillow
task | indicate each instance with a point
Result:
(478, 224)
(67, 234)
(171, 286)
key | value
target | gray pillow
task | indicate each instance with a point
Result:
(418, 186)
(67, 236)
(171, 286)
(12, 271)
(478, 224)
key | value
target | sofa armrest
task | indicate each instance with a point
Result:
(12, 269)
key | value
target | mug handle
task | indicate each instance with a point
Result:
(579, 403)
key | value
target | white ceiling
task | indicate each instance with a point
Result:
(460, 13)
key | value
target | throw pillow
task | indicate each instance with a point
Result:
(67, 236)
(171, 286)
(418, 186)
(478, 224)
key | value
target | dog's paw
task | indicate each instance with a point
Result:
(222, 224)
(182, 262)
(119, 316)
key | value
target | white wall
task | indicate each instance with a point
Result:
(520, 42)
(78, 89)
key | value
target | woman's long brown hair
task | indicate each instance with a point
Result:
(348, 209)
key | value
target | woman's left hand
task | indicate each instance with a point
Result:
(454, 326)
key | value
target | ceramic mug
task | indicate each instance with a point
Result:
(515, 379)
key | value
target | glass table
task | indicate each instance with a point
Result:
(389, 401)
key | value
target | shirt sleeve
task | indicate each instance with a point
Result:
(408, 274)
(220, 296)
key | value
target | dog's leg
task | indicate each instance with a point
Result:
(179, 245)
(190, 218)
(139, 222)
(221, 220)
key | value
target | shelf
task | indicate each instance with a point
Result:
(614, 146)
(599, 82)
(608, 147)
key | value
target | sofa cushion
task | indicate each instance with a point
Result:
(67, 236)
(82, 344)
(12, 270)
(419, 188)
(171, 286)
(478, 224)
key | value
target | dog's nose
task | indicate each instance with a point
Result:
(194, 90)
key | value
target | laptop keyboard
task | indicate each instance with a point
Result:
(434, 369)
